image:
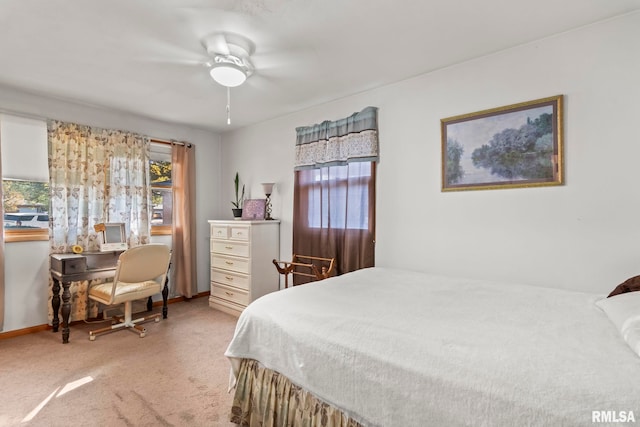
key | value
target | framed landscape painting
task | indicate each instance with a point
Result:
(518, 145)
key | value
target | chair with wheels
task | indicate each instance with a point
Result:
(140, 273)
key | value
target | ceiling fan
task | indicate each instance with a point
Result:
(230, 63)
(230, 58)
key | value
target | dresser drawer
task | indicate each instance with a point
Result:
(230, 248)
(239, 265)
(226, 306)
(239, 233)
(238, 296)
(219, 232)
(230, 279)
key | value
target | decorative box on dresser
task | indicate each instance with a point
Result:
(241, 262)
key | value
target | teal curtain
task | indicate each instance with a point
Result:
(334, 195)
(333, 143)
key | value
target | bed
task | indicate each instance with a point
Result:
(386, 347)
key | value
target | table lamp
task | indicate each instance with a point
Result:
(268, 189)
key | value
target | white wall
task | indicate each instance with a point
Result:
(26, 287)
(582, 235)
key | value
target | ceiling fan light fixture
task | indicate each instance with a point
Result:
(228, 74)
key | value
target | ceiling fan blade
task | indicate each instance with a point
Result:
(184, 53)
(216, 44)
(284, 61)
(175, 62)
(261, 81)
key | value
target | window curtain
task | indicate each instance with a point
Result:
(183, 259)
(353, 139)
(334, 191)
(95, 176)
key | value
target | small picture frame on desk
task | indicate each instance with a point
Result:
(113, 237)
(253, 209)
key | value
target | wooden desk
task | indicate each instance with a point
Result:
(67, 268)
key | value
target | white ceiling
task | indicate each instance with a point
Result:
(143, 56)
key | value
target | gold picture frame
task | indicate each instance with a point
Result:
(518, 145)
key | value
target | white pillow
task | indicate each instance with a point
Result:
(624, 311)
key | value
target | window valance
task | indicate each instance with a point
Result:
(330, 143)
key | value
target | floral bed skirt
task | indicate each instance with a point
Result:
(266, 398)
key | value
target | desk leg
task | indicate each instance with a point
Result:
(55, 304)
(66, 311)
(165, 296)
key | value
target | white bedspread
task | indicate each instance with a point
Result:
(400, 348)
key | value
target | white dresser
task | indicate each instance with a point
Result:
(241, 262)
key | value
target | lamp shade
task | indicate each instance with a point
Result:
(227, 74)
(267, 187)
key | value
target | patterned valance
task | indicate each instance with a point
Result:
(330, 143)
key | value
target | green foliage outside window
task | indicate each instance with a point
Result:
(19, 194)
(161, 192)
(160, 172)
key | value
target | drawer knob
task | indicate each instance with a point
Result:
(229, 293)
(228, 247)
(228, 262)
(229, 278)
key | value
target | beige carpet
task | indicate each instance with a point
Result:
(176, 376)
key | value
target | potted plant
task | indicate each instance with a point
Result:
(237, 205)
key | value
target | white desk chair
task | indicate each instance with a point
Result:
(140, 273)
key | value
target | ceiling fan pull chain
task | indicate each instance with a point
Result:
(228, 105)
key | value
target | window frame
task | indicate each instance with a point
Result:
(165, 229)
(42, 234)
(27, 234)
(324, 177)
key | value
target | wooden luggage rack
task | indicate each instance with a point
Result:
(315, 267)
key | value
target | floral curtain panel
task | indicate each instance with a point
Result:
(339, 142)
(95, 176)
(129, 189)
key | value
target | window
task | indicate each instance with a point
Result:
(339, 196)
(161, 189)
(26, 205)
(334, 215)
(25, 178)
